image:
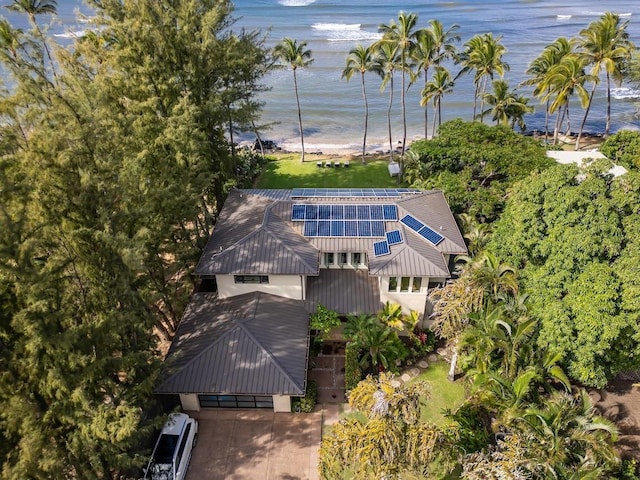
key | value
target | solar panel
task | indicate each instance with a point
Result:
(350, 228)
(381, 248)
(324, 228)
(350, 192)
(377, 212)
(310, 228)
(324, 212)
(412, 222)
(298, 212)
(337, 212)
(337, 228)
(431, 235)
(311, 212)
(390, 212)
(364, 228)
(350, 212)
(364, 212)
(377, 228)
(394, 237)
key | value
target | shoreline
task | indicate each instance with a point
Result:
(588, 141)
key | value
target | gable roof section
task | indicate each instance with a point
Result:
(251, 344)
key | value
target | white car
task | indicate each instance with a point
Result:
(172, 453)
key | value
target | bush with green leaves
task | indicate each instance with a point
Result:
(308, 402)
(352, 371)
(323, 321)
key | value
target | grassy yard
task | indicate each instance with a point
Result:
(444, 393)
(286, 171)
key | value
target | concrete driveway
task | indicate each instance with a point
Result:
(255, 444)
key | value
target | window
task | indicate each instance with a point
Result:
(417, 284)
(183, 444)
(329, 258)
(393, 284)
(343, 258)
(251, 279)
(356, 259)
(435, 284)
(404, 284)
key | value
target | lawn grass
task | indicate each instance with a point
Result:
(286, 171)
(444, 393)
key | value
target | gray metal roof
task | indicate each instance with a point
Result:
(255, 235)
(348, 292)
(250, 344)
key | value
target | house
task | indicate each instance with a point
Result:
(275, 255)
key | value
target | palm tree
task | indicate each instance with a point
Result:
(295, 55)
(433, 45)
(434, 90)
(386, 62)
(540, 68)
(605, 44)
(360, 59)
(9, 38)
(565, 79)
(507, 107)
(33, 8)
(483, 55)
(402, 35)
(380, 347)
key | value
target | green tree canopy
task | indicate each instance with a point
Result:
(474, 164)
(574, 237)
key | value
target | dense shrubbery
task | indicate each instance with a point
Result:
(623, 148)
(352, 372)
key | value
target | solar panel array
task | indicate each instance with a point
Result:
(383, 212)
(421, 229)
(343, 228)
(350, 192)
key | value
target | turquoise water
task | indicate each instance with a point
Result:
(332, 108)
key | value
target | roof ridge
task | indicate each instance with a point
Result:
(277, 237)
(262, 347)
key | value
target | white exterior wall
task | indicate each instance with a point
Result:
(282, 403)
(190, 402)
(289, 286)
(408, 301)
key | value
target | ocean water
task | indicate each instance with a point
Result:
(332, 108)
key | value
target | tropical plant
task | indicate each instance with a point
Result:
(434, 90)
(540, 68)
(324, 320)
(294, 55)
(386, 63)
(401, 34)
(506, 106)
(564, 80)
(483, 56)
(433, 46)
(361, 60)
(380, 347)
(605, 44)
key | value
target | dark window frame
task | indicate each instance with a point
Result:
(251, 279)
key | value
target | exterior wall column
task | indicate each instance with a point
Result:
(190, 402)
(282, 403)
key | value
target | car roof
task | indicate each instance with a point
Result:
(175, 424)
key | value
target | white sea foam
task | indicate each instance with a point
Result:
(353, 36)
(296, 3)
(563, 17)
(625, 93)
(76, 34)
(336, 26)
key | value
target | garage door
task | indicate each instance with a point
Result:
(235, 401)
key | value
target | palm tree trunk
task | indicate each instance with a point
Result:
(452, 368)
(586, 113)
(404, 113)
(546, 122)
(366, 119)
(389, 118)
(295, 84)
(608, 122)
(475, 100)
(435, 116)
(426, 108)
(556, 130)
